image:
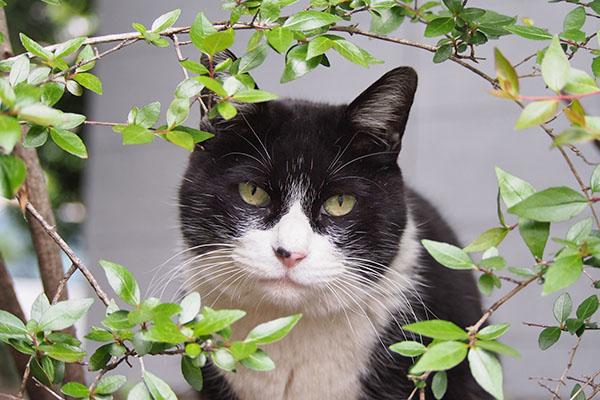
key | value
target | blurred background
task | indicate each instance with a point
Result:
(121, 204)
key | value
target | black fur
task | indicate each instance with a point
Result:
(329, 150)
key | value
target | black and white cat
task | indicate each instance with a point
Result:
(299, 207)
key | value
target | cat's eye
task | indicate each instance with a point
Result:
(338, 205)
(253, 194)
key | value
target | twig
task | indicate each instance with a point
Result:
(587, 383)
(25, 378)
(63, 282)
(567, 369)
(179, 55)
(69, 252)
(48, 390)
(549, 389)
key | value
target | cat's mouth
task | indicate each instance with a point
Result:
(285, 282)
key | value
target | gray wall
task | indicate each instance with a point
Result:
(456, 135)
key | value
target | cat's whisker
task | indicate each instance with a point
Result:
(378, 153)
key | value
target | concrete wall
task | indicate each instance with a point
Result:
(456, 135)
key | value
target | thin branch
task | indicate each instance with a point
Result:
(63, 282)
(69, 252)
(588, 383)
(48, 390)
(179, 54)
(567, 369)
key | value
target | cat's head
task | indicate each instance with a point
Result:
(296, 204)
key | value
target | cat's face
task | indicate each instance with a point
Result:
(299, 205)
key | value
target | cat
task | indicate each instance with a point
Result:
(300, 207)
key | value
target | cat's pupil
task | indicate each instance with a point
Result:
(253, 190)
(340, 200)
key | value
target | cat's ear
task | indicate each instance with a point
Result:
(377, 117)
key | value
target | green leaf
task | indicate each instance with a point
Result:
(258, 361)
(453, 5)
(536, 112)
(201, 27)
(214, 321)
(223, 359)
(69, 47)
(178, 111)
(187, 88)
(580, 231)
(490, 238)
(253, 59)
(165, 21)
(139, 316)
(439, 384)
(139, 392)
(193, 349)
(148, 115)
(535, 234)
(35, 48)
(408, 348)
(309, 20)
(190, 307)
(166, 310)
(548, 337)
(562, 273)
(554, 204)
(492, 331)
(7, 94)
(100, 335)
(497, 347)
(86, 54)
(563, 306)
(269, 10)
(587, 308)
(213, 85)
(437, 329)
(52, 92)
(439, 26)
(218, 41)
(574, 135)
(110, 384)
(191, 373)
(280, 38)
(441, 356)
(89, 81)
(226, 110)
(254, 96)
(118, 320)
(159, 389)
(198, 135)
(387, 20)
(350, 51)
(62, 352)
(506, 73)
(529, 32)
(296, 64)
(194, 66)
(136, 134)
(11, 327)
(10, 133)
(12, 175)
(100, 358)
(448, 255)
(64, 314)
(122, 282)
(39, 307)
(442, 53)
(19, 70)
(241, 350)
(574, 19)
(486, 284)
(181, 138)
(487, 371)
(512, 189)
(580, 393)
(522, 272)
(580, 82)
(41, 114)
(555, 66)
(37, 75)
(272, 331)
(75, 389)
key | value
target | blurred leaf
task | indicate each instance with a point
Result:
(213, 85)
(62, 352)
(506, 73)
(7, 94)
(487, 371)
(580, 82)
(580, 393)
(580, 231)
(448, 255)
(536, 112)
(194, 66)
(529, 32)
(64, 314)
(226, 110)
(187, 88)
(178, 111)
(41, 114)
(139, 392)
(159, 389)
(214, 321)
(555, 66)
(554, 204)
(575, 135)
(548, 337)
(309, 20)
(241, 350)
(486, 284)
(190, 307)
(441, 356)
(254, 96)
(11, 327)
(100, 335)
(439, 384)
(10, 133)
(118, 320)
(19, 70)
(12, 175)
(191, 373)
(165, 21)
(182, 139)
(574, 19)
(223, 358)
(110, 384)
(39, 307)
(437, 329)
(272, 331)
(135, 134)
(269, 10)
(408, 348)
(562, 273)
(497, 347)
(258, 361)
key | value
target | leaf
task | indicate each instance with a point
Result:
(487, 371)
(191, 373)
(554, 204)
(272, 331)
(486, 284)
(522, 272)
(241, 350)
(441, 356)
(497, 347)
(296, 64)
(408, 348)
(136, 134)
(588, 307)
(193, 350)
(439, 26)
(62, 352)
(535, 234)
(39, 307)
(201, 27)
(563, 306)
(75, 389)
(37, 75)
(442, 53)
(41, 114)
(448, 255)
(69, 47)
(218, 41)
(12, 175)
(490, 238)
(580, 231)
(52, 92)
(10, 133)
(213, 85)
(536, 112)
(11, 327)
(574, 135)
(178, 111)
(64, 314)
(118, 320)
(269, 10)
(548, 337)
(165, 21)
(309, 20)
(19, 70)
(555, 66)
(453, 5)
(34, 47)
(529, 32)
(562, 273)
(194, 66)
(148, 115)
(506, 73)
(100, 358)
(439, 384)
(574, 19)
(110, 384)
(198, 135)
(254, 96)
(580, 82)
(226, 110)
(580, 393)
(190, 307)
(387, 20)
(512, 189)
(280, 38)
(492, 331)
(159, 389)
(223, 359)
(214, 321)
(85, 55)
(7, 94)
(258, 361)
(437, 329)
(253, 59)
(350, 51)
(89, 81)
(100, 335)
(69, 142)
(182, 139)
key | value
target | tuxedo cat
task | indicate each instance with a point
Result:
(300, 207)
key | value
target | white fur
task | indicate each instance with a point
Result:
(325, 355)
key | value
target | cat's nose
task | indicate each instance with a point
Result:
(289, 258)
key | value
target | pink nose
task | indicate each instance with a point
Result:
(289, 258)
